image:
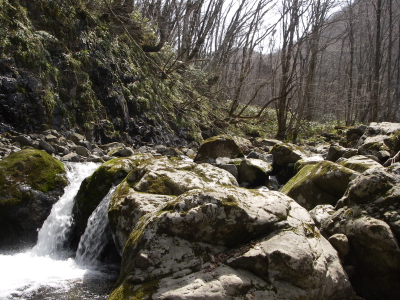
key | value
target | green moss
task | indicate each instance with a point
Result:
(394, 142)
(134, 292)
(94, 188)
(322, 183)
(162, 185)
(229, 201)
(32, 167)
(297, 180)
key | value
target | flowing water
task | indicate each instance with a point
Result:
(96, 235)
(45, 271)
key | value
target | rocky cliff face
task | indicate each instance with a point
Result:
(64, 64)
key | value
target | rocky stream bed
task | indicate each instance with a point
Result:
(228, 219)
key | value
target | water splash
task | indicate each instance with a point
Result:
(44, 267)
(96, 235)
(56, 228)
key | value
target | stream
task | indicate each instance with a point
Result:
(46, 271)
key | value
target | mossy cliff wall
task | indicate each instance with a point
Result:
(67, 63)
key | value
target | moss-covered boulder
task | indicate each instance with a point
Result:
(379, 137)
(306, 162)
(94, 188)
(285, 156)
(335, 152)
(31, 181)
(229, 243)
(359, 163)
(394, 142)
(176, 176)
(127, 207)
(322, 183)
(154, 183)
(375, 187)
(218, 146)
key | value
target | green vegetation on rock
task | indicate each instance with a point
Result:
(94, 188)
(34, 168)
(321, 183)
(30, 182)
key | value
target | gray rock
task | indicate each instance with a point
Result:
(75, 137)
(197, 246)
(307, 161)
(174, 177)
(23, 140)
(160, 148)
(125, 152)
(85, 144)
(63, 150)
(190, 152)
(285, 156)
(95, 158)
(111, 146)
(222, 161)
(288, 153)
(46, 146)
(231, 168)
(359, 163)
(374, 253)
(321, 214)
(73, 157)
(335, 152)
(322, 183)
(126, 208)
(218, 146)
(254, 171)
(340, 243)
(50, 138)
(98, 152)
(83, 151)
(269, 158)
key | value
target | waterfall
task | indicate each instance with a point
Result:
(96, 235)
(55, 229)
(44, 269)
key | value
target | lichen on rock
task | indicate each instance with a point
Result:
(229, 243)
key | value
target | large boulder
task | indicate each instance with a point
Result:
(229, 243)
(368, 215)
(321, 183)
(254, 172)
(374, 254)
(359, 163)
(94, 188)
(154, 183)
(218, 146)
(377, 191)
(285, 157)
(175, 176)
(31, 181)
(377, 137)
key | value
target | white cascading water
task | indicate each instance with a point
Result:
(55, 229)
(44, 266)
(96, 235)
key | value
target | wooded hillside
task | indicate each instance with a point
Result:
(185, 66)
